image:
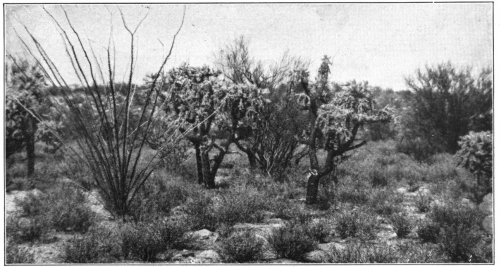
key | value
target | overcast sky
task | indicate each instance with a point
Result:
(380, 43)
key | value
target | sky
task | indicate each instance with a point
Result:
(379, 43)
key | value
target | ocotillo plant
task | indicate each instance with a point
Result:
(106, 124)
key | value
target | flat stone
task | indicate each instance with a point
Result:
(387, 235)
(331, 246)
(401, 190)
(467, 202)
(203, 234)
(283, 260)
(317, 256)
(264, 230)
(209, 256)
(386, 227)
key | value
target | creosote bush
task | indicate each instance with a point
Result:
(242, 246)
(401, 224)
(98, 245)
(21, 229)
(292, 241)
(355, 223)
(16, 254)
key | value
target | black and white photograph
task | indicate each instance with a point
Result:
(248, 133)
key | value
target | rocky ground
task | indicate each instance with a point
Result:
(204, 244)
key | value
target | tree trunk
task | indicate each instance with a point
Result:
(30, 145)
(199, 165)
(251, 160)
(312, 189)
(208, 178)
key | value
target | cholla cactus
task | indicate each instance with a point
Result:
(475, 155)
(335, 119)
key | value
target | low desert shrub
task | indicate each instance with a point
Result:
(201, 214)
(355, 197)
(363, 253)
(291, 241)
(378, 177)
(386, 202)
(144, 240)
(319, 231)
(21, 229)
(355, 224)
(98, 245)
(460, 236)
(241, 205)
(158, 197)
(429, 232)
(242, 246)
(401, 224)
(63, 208)
(423, 202)
(16, 254)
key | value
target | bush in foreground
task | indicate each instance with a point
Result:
(98, 245)
(242, 246)
(292, 241)
(16, 254)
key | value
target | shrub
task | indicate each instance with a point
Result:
(241, 205)
(401, 224)
(378, 177)
(429, 232)
(69, 211)
(355, 224)
(16, 254)
(63, 209)
(460, 234)
(157, 198)
(242, 246)
(291, 241)
(459, 243)
(353, 196)
(385, 202)
(22, 229)
(201, 214)
(319, 231)
(363, 253)
(98, 245)
(423, 202)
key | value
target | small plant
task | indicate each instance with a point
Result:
(401, 224)
(385, 202)
(423, 202)
(98, 245)
(242, 246)
(355, 224)
(378, 177)
(291, 241)
(16, 254)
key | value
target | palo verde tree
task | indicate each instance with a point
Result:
(106, 122)
(446, 101)
(334, 121)
(272, 145)
(211, 114)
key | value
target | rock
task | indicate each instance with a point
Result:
(268, 215)
(424, 191)
(386, 235)
(401, 190)
(488, 224)
(274, 221)
(317, 256)
(264, 230)
(331, 246)
(177, 257)
(467, 202)
(202, 239)
(203, 234)
(209, 256)
(386, 227)
(283, 260)
(486, 205)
